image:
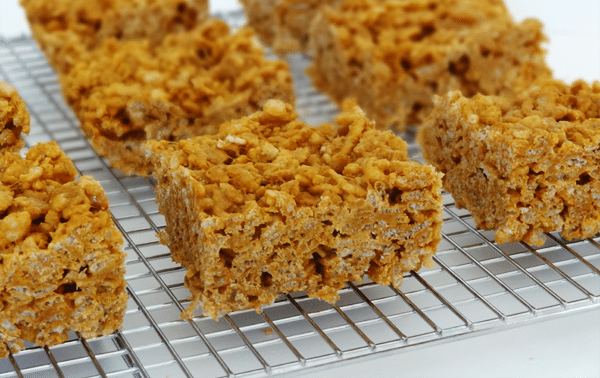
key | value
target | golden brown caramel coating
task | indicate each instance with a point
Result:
(284, 24)
(521, 166)
(14, 119)
(270, 205)
(67, 28)
(394, 56)
(61, 257)
(127, 93)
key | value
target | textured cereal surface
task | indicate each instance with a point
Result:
(125, 93)
(14, 119)
(269, 205)
(525, 165)
(284, 24)
(394, 56)
(61, 257)
(66, 28)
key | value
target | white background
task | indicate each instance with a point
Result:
(564, 346)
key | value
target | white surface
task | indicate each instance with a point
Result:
(567, 346)
(560, 347)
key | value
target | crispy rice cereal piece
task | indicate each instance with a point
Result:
(284, 24)
(522, 166)
(61, 257)
(127, 93)
(270, 205)
(394, 56)
(66, 28)
(14, 119)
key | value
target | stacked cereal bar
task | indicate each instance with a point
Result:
(269, 205)
(393, 56)
(61, 257)
(522, 165)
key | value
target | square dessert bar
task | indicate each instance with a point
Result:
(524, 165)
(284, 24)
(269, 205)
(61, 257)
(134, 70)
(14, 119)
(125, 93)
(393, 56)
(65, 29)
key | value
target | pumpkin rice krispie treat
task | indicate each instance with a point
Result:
(393, 56)
(14, 119)
(269, 205)
(65, 29)
(61, 257)
(125, 93)
(284, 24)
(525, 165)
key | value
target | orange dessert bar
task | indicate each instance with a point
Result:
(61, 257)
(523, 165)
(65, 29)
(269, 205)
(393, 56)
(125, 93)
(284, 24)
(14, 119)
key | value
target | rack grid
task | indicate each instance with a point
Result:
(476, 285)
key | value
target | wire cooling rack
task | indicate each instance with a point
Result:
(476, 285)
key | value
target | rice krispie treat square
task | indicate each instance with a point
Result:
(61, 257)
(523, 165)
(270, 205)
(125, 93)
(393, 56)
(284, 24)
(14, 119)
(65, 29)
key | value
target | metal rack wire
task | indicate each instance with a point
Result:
(475, 284)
